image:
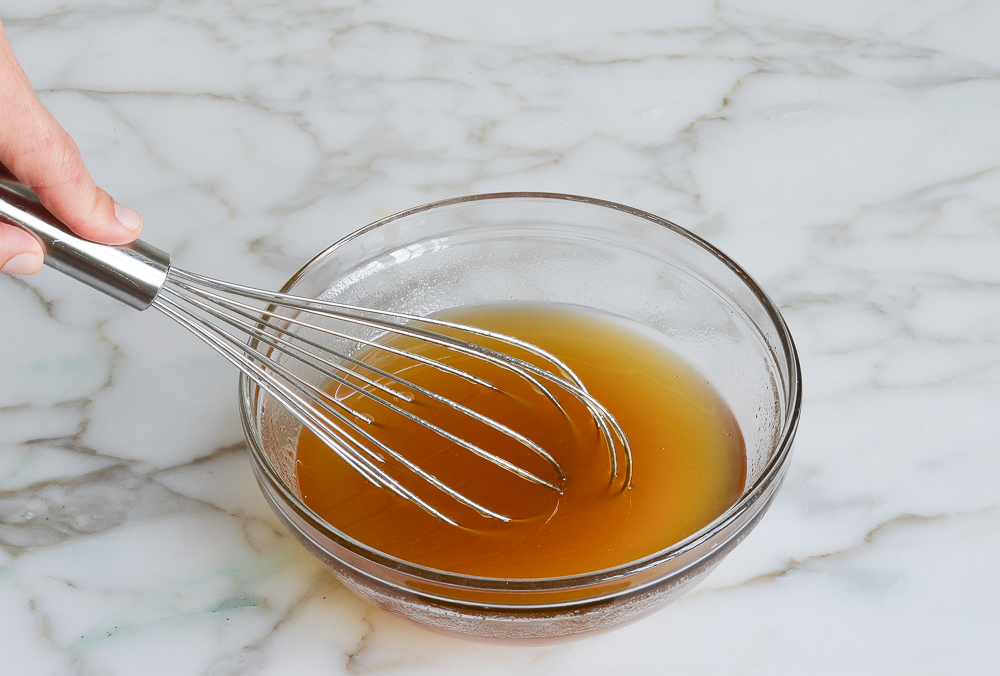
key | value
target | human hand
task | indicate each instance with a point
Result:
(43, 156)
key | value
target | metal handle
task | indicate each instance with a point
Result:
(132, 273)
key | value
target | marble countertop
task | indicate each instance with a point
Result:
(847, 154)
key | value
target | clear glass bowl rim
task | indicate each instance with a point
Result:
(772, 471)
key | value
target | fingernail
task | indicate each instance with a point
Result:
(22, 264)
(129, 218)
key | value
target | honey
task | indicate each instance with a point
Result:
(689, 460)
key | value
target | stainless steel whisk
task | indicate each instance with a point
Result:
(219, 313)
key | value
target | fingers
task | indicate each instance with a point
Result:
(44, 157)
(20, 253)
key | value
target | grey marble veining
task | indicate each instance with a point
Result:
(847, 154)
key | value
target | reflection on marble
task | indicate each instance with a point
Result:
(848, 154)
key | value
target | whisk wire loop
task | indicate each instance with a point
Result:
(208, 308)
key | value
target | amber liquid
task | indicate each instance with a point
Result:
(689, 461)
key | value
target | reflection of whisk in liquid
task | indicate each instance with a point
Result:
(220, 314)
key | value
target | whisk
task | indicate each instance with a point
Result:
(221, 314)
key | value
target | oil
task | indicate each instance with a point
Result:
(689, 460)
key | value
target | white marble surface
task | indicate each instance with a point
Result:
(848, 154)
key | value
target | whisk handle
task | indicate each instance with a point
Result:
(132, 273)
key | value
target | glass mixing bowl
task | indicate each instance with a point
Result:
(540, 247)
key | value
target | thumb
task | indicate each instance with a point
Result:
(50, 164)
(44, 157)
